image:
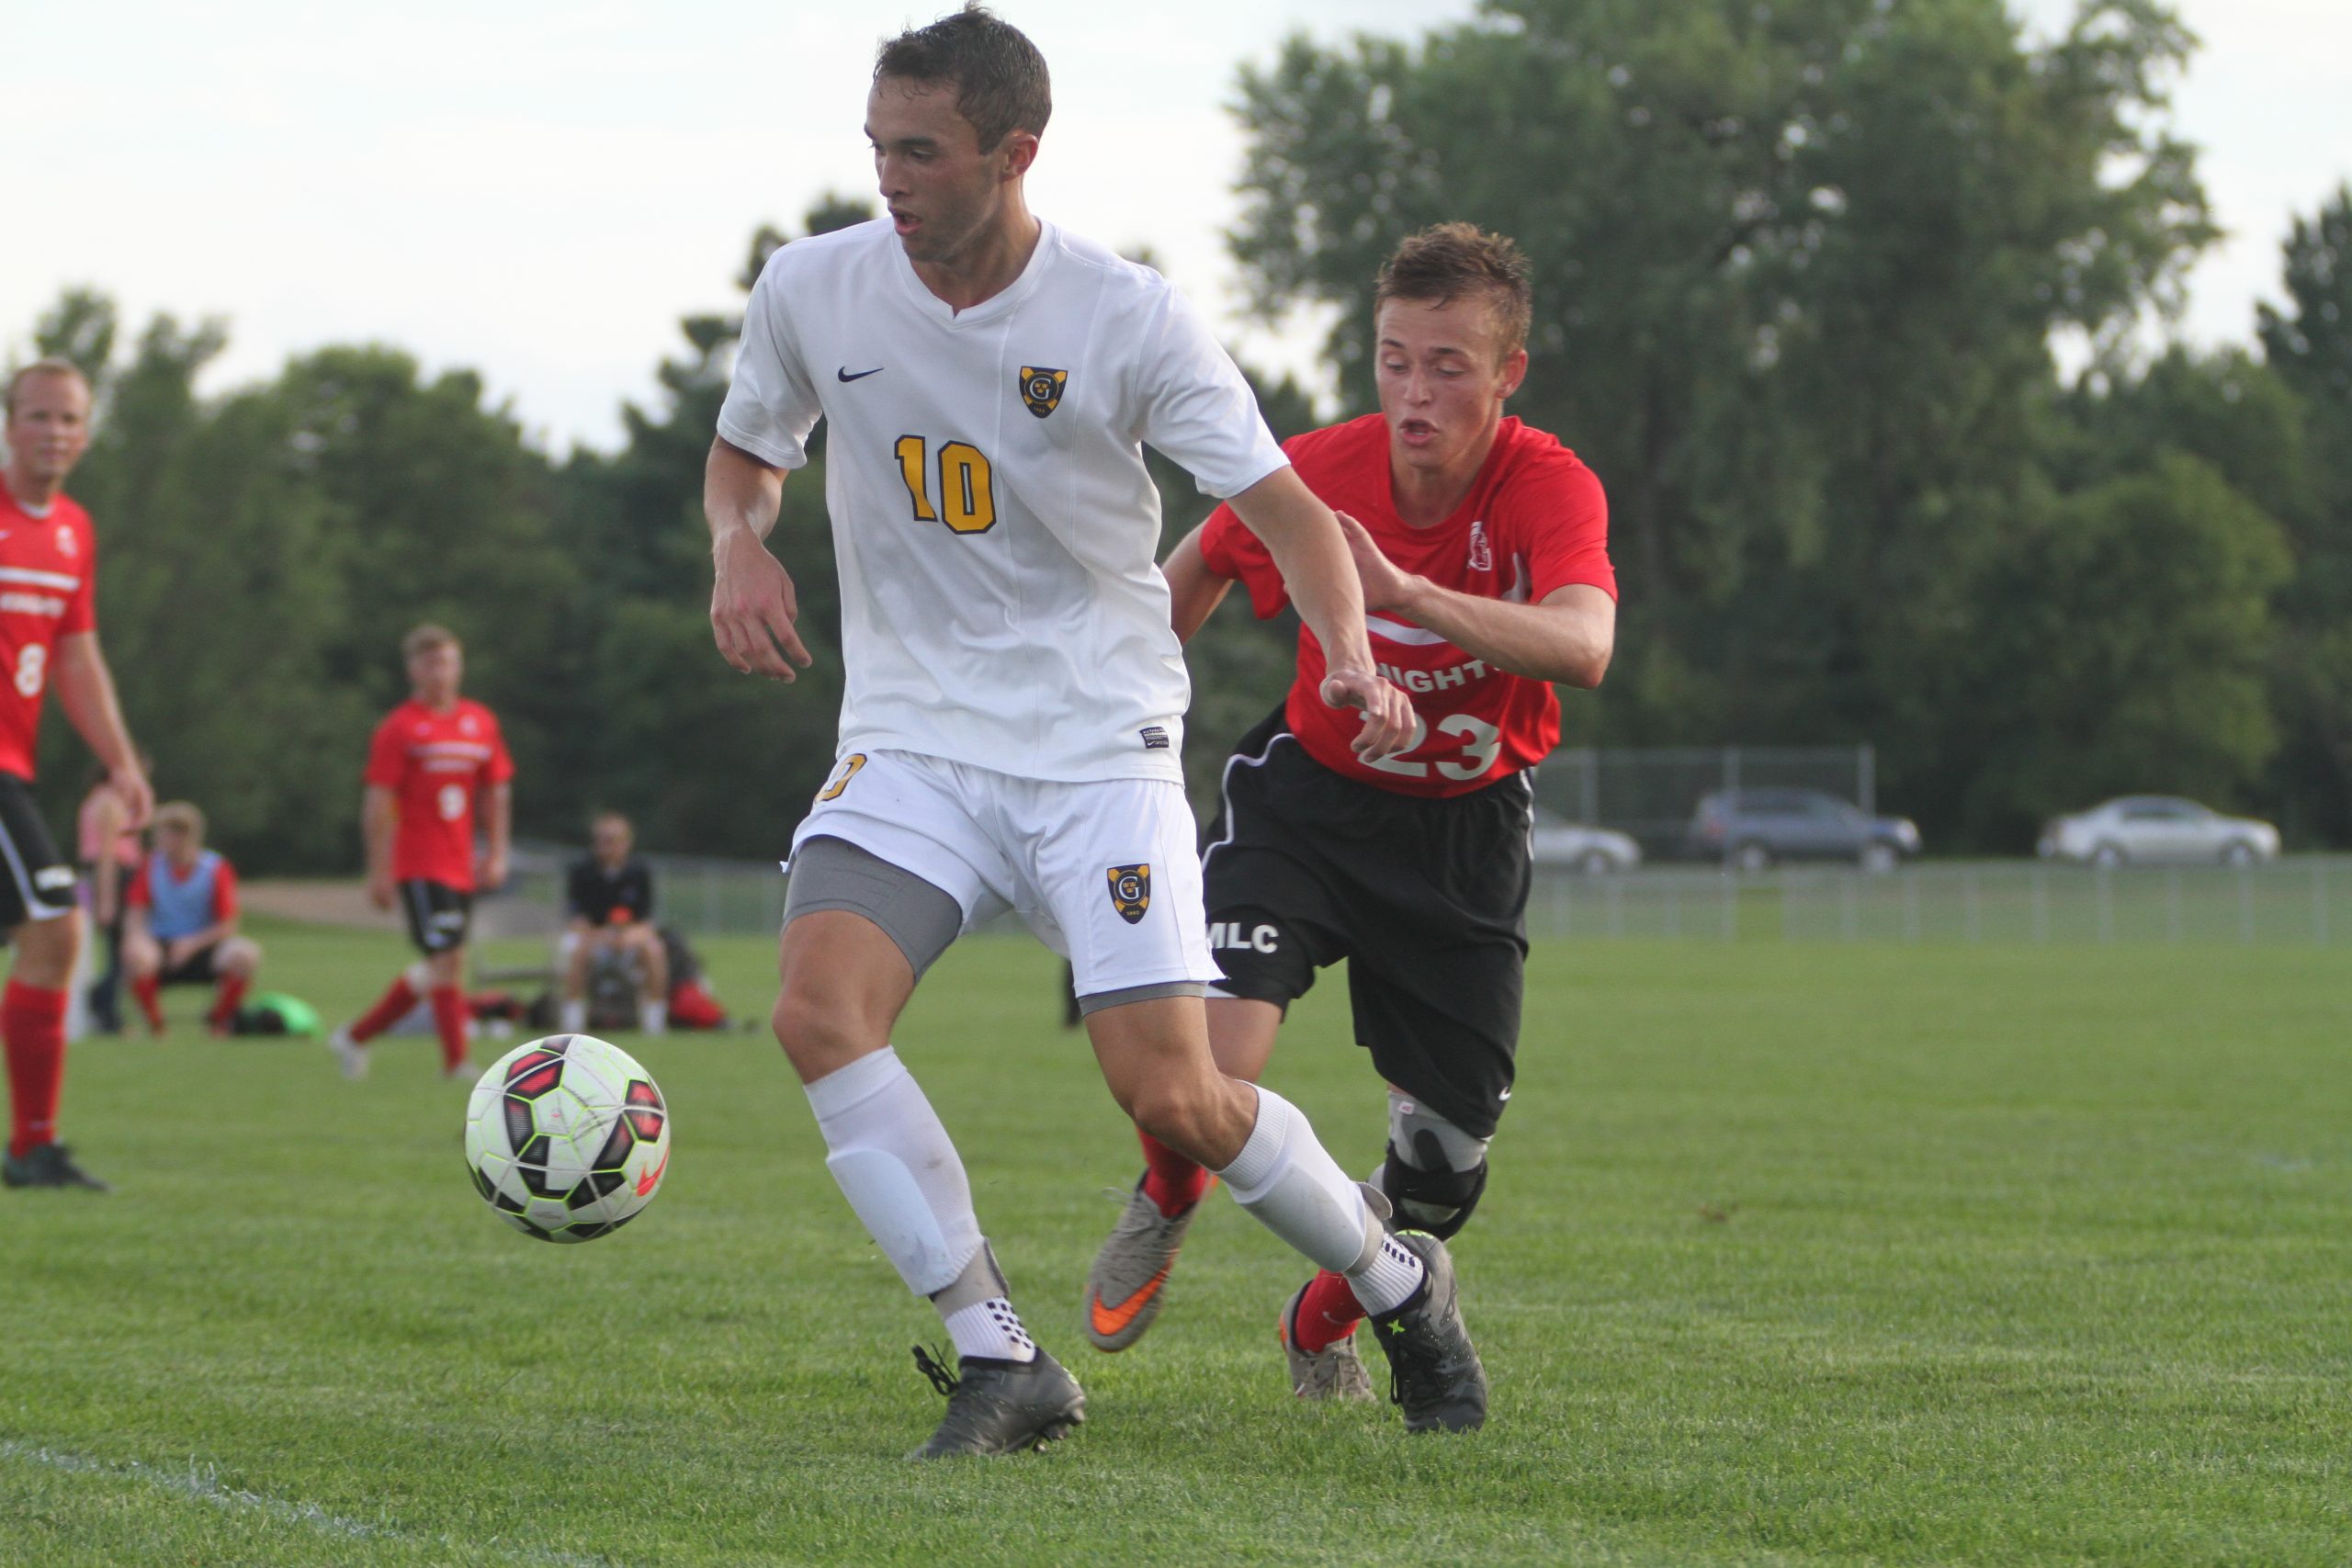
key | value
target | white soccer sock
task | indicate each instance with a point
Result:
(990, 1329)
(899, 1170)
(573, 1016)
(1388, 1281)
(1284, 1177)
(652, 1018)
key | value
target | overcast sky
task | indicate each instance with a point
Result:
(539, 189)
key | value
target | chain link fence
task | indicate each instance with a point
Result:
(1652, 792)
(2305, 899)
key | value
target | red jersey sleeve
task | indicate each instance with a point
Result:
(387, 758)
(1559, 513)
(139, 897)
(82, 609)
(1232, 551)
(501, 767)
(224, 893)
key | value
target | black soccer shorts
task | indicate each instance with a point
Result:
(36, 882)
(439, 916)
(1426, 898)
(199, 968)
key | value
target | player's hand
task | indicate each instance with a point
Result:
(1385, 587)
(752, 608)
(1387, 713)
(379, 891)
(178, 950)
(493, 870)
(137, 797)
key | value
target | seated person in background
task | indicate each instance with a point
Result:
(608, 906)
(180, 922)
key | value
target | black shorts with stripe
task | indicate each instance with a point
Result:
(439, 916)
(1426, 898)
(36, 882)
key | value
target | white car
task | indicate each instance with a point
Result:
(1555, 841)
(2151, 828)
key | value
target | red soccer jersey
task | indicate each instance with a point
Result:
(435, 765)
(1534, 522)
(48, 588)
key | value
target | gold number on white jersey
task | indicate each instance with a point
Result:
(967, 484)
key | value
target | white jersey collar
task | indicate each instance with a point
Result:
(989, 309)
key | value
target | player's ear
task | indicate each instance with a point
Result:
(1019, 151)
(1514, 372)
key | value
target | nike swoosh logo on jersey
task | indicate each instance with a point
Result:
(848, 375)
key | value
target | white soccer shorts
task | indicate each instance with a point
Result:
(1106, 873)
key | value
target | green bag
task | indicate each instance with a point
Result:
(275, 1012)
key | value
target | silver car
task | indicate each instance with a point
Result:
(1556, 840)
(2153, 828)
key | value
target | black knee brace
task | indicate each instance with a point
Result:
(1432, 1197)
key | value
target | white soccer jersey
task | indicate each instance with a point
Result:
(995, 526)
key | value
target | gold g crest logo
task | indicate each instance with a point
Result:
(1042, 388)
(1130, 891)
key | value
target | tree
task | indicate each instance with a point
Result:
(1796, 267)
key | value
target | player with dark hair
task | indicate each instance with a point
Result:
(609, 915)
(49, 636)
(1014, 701)
(437, 760)
(1483, 548)
(181, 923)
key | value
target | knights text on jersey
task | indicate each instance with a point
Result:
(1534, 522)
(994, 524)
(48, 583)
(437, 764)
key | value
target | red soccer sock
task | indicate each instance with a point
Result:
(32, 1024)
(150, 992)
(226, 1001)
(1171, 1180)
(449, 1020)
(1328, 1314)
(389, 1009)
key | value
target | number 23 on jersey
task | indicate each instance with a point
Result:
(966, 484)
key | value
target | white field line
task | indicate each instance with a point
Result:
(200, 1486)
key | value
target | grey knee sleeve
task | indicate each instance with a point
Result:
(1435, 1172)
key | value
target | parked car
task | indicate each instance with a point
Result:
(1749, 830)
(1556, 840)
(2157, 829)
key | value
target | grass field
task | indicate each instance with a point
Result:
(1793, 1253)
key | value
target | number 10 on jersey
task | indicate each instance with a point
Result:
(966, 485)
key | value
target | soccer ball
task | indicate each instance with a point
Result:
(567, 1138)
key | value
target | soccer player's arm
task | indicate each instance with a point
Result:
(498, 810)
(1566, 635)
(771, 407)
(1312, 554)
(106, 877)
(85, 690)
(380, 809)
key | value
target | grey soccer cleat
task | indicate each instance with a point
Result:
(350, 1053)
(1125, 1286)
(1434, 1370)
(51, 1165)
(1334, 1374)
(1001, 1407)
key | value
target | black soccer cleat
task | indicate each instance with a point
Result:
(52, 1164)
(1001, 1407)
(1434, 1370)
